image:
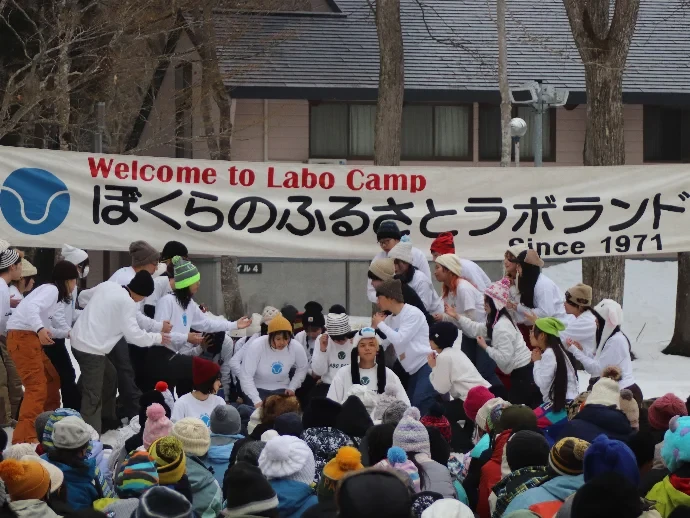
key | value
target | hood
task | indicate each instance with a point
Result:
(96, 449)
(218, 439)
(499, 446)
(611, 420)
(220, 453)
(665, 492)
(563, 486)
(32, 508)
(198, 474)
(324, 441)
(292, 495)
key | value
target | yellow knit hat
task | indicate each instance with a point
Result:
(170, 459)
(25, 480)
(279, 323)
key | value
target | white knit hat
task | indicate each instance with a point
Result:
(73, 255)
(451, 262)
(368, 397)
(447, 508)
(410, 434)
(71, 433)
(402, 251)
(288, 457)
(19, 451)
(194, 436)
(485, 410)
(337, 324)
(28, 269)
(268, 314)
(255, 326)
(605, 392)
(516, 250)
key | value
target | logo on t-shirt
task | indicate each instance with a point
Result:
(277, 368)
(184, 319)
(341, 355)
(365, 380)
(206, 419)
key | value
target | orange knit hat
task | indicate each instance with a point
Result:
(24, 479)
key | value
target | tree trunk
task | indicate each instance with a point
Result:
(232, 299)
(680, 343)
(387, 140)
(503, 84)
(64, 65)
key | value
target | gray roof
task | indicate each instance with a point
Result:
(450, 51)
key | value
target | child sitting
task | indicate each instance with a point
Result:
(201, 401)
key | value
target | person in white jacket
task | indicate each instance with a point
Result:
(268, 361)
(313, 323)
(231, 348)
(613, 348)
(418, 281)
(27, 333)
(554, 371)
(388, 235)
(581, 324)
(333, 352)
(471, 271)
(507, 348)
(109, 317)
(24, 284)
(368, 369)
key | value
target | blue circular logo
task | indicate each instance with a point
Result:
(365, 380)
(277, 368)
(34, 201)
(206, 419)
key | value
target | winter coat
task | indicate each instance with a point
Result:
(293, 497)
(491, 474)
(566, 510)
(125, 508)
(83, 486)
(32, 509)
(594, 420)
(667, 497)
(324, 443)
(516, 484)
(206, 493)
(473, 477)
(437, 478)
(558, 488)
(218, 456)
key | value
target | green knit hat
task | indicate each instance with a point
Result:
(186, 273)
(549, 325)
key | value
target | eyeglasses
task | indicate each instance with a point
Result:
(385, 242)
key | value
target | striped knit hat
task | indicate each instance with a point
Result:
(186, 273)
(8, 257)
(411, 434)
(337, 324)
(170, 460)
(137, 474)
(567, 456)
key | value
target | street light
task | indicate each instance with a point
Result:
(518, 128)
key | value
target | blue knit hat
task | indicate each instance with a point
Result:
(676, 448)
(606, 455)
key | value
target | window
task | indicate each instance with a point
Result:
(429, 131)
(666, 134)
(183, 111)
(490, 133)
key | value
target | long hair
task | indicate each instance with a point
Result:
(380, 369)
(379, 441)
(423, 477)
(491, 316)
(617, 329)
(559, 386)
(183, 296)
(527, 280)
(454, 283)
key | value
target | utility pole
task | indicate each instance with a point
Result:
(539, 127)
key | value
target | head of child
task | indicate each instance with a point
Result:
(444, 275)
(389, 295)
(578, 299)
(141, 286)
(187, 280)
(205, 376)
(277, 405)
(25, 479)
(172, 249)
(545, 332)
(443, 244)
(279, 333)
(28, 278)
(11, 264)
(64, 278)
(388, 235)
(510, 260)
(367, 347)
(442, 335)
(71, 438)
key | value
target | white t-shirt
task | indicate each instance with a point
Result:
(14, 292)
(5, 309)
(545, 371)
(467, 298)
(421, 284)
(455, 373)
(342, 383)
(35, 310)
(549, 301)
(309, 344)
(189, 406)
(616, 351)
(161, 287)
(582, 329)
(408, 331)
(329, 363)
(474, 273)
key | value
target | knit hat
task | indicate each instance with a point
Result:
(337, 308)
(410, 434)
(173, 248)
(532, 257)
(611, 313)
(204, 371)
(388, 230)
(606, 391)
(25, 479)
(527, 448)
(550, 325)
(71, 433)
(482, 417)
(567, 456)
(57, 477)
(449, 508)
(605, 455)
(676, 446)
(476, 398)
(225, 420)
(515, 418)
(141, 284)
(354, 419)
(279, 323)
(664, 409)
(450, 262)
(250, 452)
(269, 434)
(402, 252)
(247, 491)
(437, 420)
(398, 460)
(28, 269)
(289, 424)
(373, 493)
(384, 269)
(40, 422)
(73, 255)
(395, 412)
(157, 424)
(136, 474)
(194, 436)
(610, 494)
(391, 289)
(288, 457)
(443, 244)
(8, 257)
(142, 254)
(163, 502)
(347, 459)
(580, 295)
(443, 334)
(369, 398)
(170, 459)
(59, 414)
(255, 326)
(186, 273)
(312, 315)
(630, 408)
(337, 325)
(19, 451)
(268, 314)
(321, 413)
(384, 401)
(499, 292)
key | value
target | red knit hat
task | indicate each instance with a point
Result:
(476, 398)
(443, 244)
(441, 423)
(203, 371)
(664, 409)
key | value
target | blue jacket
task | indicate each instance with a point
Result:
(83, 487)
(594, 420)
(558, 488)
(293, 497)
(207, 498)
(218, 456)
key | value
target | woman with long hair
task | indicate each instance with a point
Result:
(408, 274)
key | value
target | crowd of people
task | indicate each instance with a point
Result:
(459, 403)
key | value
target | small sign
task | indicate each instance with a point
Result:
(250, 268)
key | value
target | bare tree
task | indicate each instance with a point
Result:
(680, 342)
(603, 43)
(503, 85)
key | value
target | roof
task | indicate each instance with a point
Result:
(450, 51)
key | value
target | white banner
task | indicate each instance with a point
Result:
(314, 211)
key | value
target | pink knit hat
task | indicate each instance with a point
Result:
(157, 424)
(476, 398)
(499, 291)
